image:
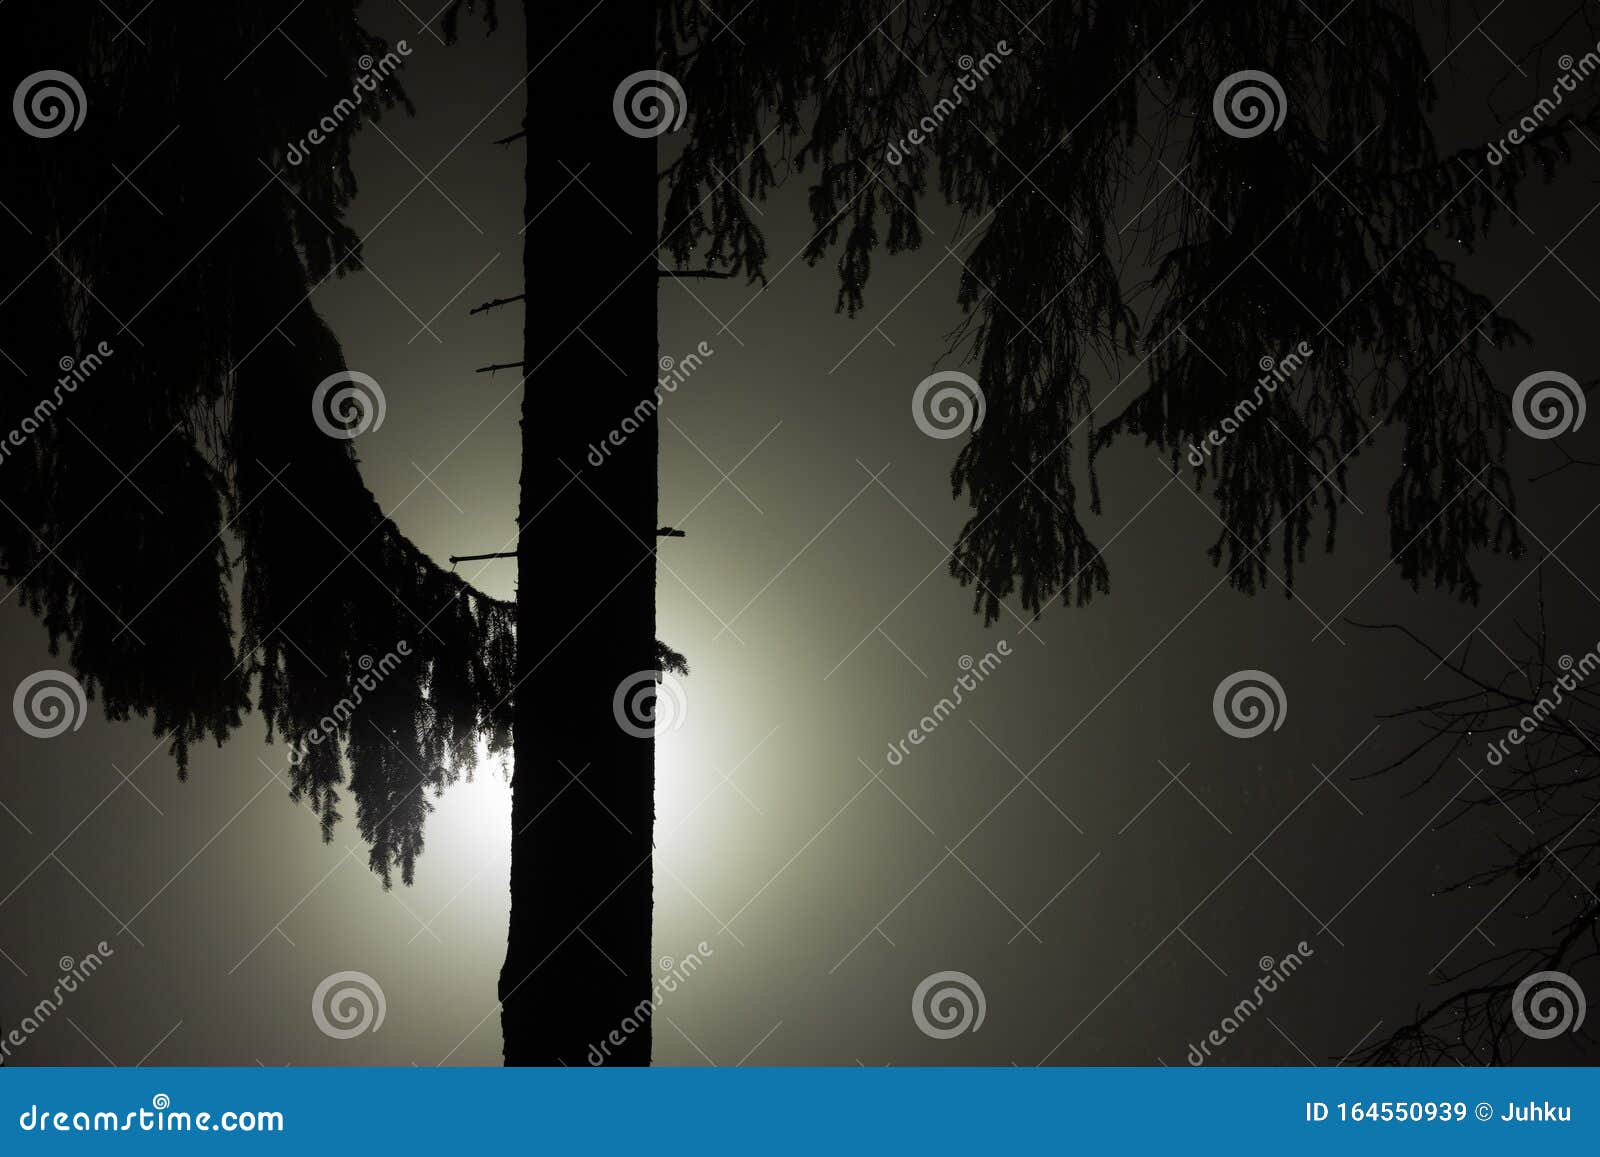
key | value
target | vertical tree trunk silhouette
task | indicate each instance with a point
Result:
(578, 959)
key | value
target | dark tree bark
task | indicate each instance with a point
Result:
(578, 960)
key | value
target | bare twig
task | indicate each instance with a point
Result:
(496, 304)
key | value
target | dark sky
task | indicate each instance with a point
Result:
(1036, 842)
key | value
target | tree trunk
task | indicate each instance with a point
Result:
(578, 960)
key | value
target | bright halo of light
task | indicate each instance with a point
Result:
(470, 829)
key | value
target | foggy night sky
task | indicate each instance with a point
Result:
(825, 894)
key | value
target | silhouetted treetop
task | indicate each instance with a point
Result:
(169, 247)
(1126, 263)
